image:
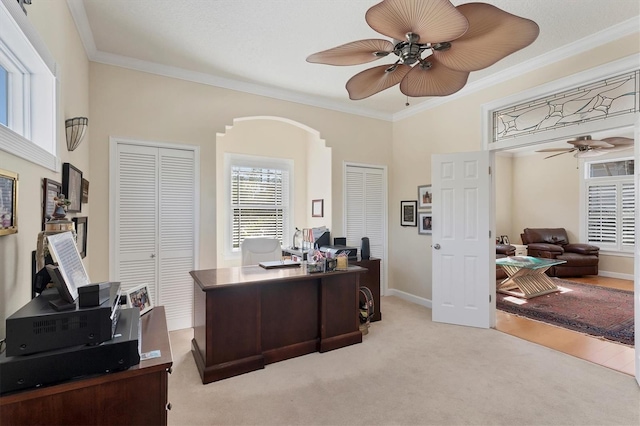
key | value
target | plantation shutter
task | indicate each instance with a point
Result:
(259, 203)
(628, 214)
(602, 221)
(611, 215)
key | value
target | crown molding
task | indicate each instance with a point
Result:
(78, 12)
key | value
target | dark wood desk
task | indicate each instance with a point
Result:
(137, 396)
(371, 280)
(246, 317)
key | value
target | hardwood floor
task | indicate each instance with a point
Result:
(612, 355)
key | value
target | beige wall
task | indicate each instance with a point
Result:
(57, 29)
(276, 138)
(504, 177)
(456, 127)
(143, 106)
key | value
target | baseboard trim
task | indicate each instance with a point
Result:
(409, 297)
(616, 275)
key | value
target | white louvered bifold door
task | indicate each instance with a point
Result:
(365, 210)
(136, 219)
(155, 226)
(176, 248)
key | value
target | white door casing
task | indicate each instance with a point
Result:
(461, 238)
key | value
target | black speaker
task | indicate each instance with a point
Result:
(365, 251)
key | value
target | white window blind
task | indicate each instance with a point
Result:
(611, 205)
(259, 203)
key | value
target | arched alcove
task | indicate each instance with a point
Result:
(275, 138)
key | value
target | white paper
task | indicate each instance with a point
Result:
(65, 252)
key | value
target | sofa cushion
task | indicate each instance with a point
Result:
(545, 235)
(578, 260)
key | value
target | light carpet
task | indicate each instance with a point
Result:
(410, 371)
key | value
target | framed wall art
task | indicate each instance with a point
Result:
(139, 297)
(424, 223)
(317, 208)
(51, 189)
(81, 234)
(424, 196)
(408, 213)
(85, 191)
(72, 187)
(8, 202)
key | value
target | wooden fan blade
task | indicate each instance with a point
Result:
(619, 141)
(435, 81)
(590, 143)
(354, 53)
(374, 80)
(433, 20)
(560, 153)
(493, 34)
(555, 149)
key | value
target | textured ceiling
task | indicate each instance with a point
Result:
(261, 45)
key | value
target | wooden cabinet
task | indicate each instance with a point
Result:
(135, 396)
(371, 280)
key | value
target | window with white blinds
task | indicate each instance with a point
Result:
(610, 195)
(259, 199)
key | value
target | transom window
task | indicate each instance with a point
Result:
(259, 199)
(610, 202)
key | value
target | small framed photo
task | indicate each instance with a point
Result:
(72, 187)
(8, 202)
(139, 297)
(424, 196)
(81, 234)
(85, 191)
(51, 190)
(317, 208)
(504, 240)
(408, 213)
(424, 223)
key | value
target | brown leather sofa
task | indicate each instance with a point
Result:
(503, 250)
(553, 243)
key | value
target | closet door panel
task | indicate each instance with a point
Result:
(136, 221)
(177, 230)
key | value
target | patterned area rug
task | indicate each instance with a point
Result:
(598, 311)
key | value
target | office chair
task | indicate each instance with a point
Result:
(256, 250)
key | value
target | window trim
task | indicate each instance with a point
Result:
(584, 187)
(33, 88)
(231, 160)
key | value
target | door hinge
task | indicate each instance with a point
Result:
(489, 233)
(489, 298)
(489, 170)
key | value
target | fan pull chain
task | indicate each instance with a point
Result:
(407, 104)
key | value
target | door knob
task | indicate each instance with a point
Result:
(437, 246)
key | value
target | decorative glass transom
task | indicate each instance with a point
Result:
(606, 98)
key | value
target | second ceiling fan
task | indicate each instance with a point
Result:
(585, 146)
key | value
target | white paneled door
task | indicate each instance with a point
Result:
(153, 214)
(461, 241)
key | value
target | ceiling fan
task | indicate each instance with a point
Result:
(584, 146)
(437, 45)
